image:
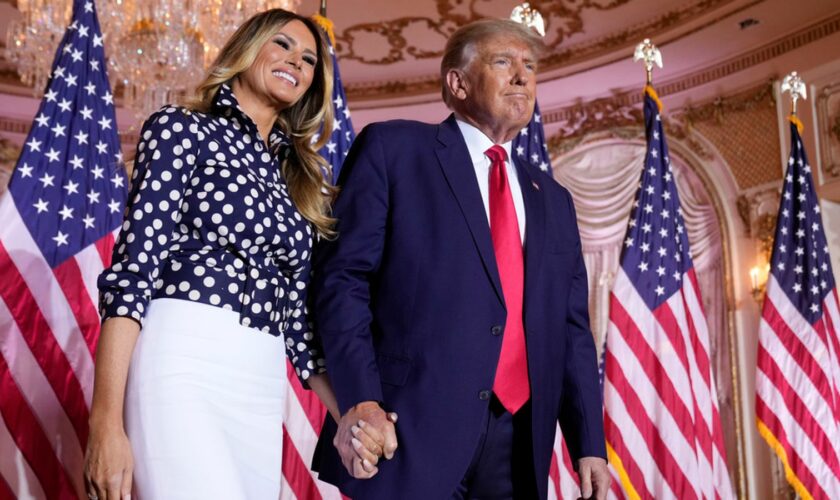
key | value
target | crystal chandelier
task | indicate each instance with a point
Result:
(157, 49)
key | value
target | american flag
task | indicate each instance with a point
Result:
(64, 202)
(342, 134)
(529, 146)
(305, 414)
(797, 384)
(663, 429)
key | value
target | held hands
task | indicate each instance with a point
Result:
(109, 464)
(365, 433)
(594, 478)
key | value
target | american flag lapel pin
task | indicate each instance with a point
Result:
(536, 186)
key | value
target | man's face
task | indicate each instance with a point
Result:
(501, 84)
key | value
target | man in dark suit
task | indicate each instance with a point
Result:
(455, 295)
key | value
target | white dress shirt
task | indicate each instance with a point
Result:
(477, 144)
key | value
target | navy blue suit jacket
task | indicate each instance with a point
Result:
(406, 298)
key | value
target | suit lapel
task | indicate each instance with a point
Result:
(458, 169)
(535, 229)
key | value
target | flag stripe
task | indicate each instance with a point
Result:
(296, 472)
(39, 395)
(52, 360)
(30, 438)
(72, 283)
(14, 468)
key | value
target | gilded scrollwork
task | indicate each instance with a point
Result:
(407, 38)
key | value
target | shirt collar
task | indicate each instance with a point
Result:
(478, 143)
(225, 104)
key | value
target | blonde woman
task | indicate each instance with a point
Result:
(209, 277)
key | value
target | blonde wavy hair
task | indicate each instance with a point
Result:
(311, 116)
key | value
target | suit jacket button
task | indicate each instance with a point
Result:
(497, 330)
(484, 395)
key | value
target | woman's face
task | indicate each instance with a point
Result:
(284, 67)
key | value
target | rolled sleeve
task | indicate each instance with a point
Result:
(165, 156)
(302, 345)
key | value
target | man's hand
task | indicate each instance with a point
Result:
(364, 434)
(594, 477)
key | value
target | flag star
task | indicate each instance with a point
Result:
(628, 242)
(801, 196)
(677, 256)
(97, 40)
(815, 271)
(783, 248)
(339, 102)
(824, 266)
(520, 151)
(677, 276)
(65, 104)
(119, 157)
(660, 271)
(331, 147)
(787, 195)
(41, 206)
(646, 227)
(653, 153)
(94, 65)
(656, 135)
(77, 55)
(815, 308)
(93, 197)
(90, 88)
(816, 209)
(797, 287)
(47, 179)
(632, 223)
(667, 177)
(807, 168)
(114, 206)
(797, 269)
(60, 238)
(645, 247)
(81, 137)
(650, 190)
(543, 166)
(643, 266)
(97, 172)
(71, 80)
(524, 131)
(815, 227)
(663, 232)
(108, 98)
(665, 213)
(104, 123)
(784, 230)
(662, 252)
(799, 251)
(800, 233)
(50, 95)
(815, 290)
(666, 195)
(25, 170)
(66, 212)
(648, 208)
(88, 220)
(34, 145)
(801, 179)
(336, 124)
(43, 120)
(785, 212)
(58, 130)
(59, 72)
(823, 284)
(67, 48)
(346, 112)
(83, 31)
(790, 161)
(117, 180)
(87, 113)
(652, 170)
(101, 147)
(535, 158)
(53, 155)
(660, 290)
(72, 187)
(88, 6)
(780, 266)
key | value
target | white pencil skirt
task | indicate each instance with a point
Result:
(204, 405)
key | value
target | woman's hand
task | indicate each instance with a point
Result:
(109, 463)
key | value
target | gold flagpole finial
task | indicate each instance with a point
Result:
(323, 10)
(647, 52)
(793, 83)
(529, 16)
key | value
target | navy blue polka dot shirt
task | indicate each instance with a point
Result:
(210, 220)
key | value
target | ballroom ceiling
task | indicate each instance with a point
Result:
(390, 49)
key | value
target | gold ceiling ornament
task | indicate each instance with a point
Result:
(529, 16)
(156, 49)
(647, 52)
(793, 83)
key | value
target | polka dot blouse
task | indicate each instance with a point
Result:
(210, 220)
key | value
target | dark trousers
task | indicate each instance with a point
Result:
(502, 467)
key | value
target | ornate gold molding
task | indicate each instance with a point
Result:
(828, 117)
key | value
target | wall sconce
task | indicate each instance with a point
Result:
(758, 281)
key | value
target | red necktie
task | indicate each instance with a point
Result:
(511, 385)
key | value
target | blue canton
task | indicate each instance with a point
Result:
(69, 183)
(529, 144)
(656, 253)
(342, 134)
(210, 220)
(800, 261)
